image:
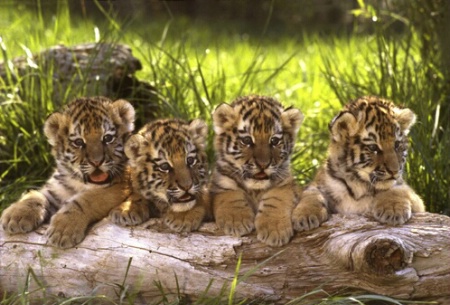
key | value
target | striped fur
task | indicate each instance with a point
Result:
(252, 185)
(168, 168)
(363, 171)
(87, 140)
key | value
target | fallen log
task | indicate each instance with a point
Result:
(346, 255)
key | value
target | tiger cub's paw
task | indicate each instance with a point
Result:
(185, 221)
(130, 213)
(392, 211)
(236, 223)
(275, 232)
(307, 216)
(25, 215)
(65, 230)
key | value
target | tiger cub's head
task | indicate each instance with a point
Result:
(254, 138)
(87, 139)
(369, 142)
(168, 161)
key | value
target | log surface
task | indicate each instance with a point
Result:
(347, 254)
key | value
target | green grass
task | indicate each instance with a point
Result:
(193, 66)
(392, 66)
(196, 65)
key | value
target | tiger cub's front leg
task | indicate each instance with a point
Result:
(190, 220)
(26, 214)
(273, 221)
(69, 225)
(134, 211)
(394, 206)
(185, 221)
(233, 213)
(311, 211)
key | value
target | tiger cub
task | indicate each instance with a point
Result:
(363, 172)
(168, 171)
(89, 179)
(252, 185)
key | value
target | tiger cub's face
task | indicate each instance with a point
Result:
(87, 139)
(369, 142)
(254, 139)
(168, 161)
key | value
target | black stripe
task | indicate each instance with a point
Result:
(333, 175)
(66, 186)
(273, 198)
(370, 123)
(373, 136)
(78, 205)
(247, 114)
(269, 206)
(54, 198)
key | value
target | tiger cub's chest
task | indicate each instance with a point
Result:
(357, 200)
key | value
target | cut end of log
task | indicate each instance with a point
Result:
(385, 256)
(370, 248)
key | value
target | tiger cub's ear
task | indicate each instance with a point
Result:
(198, 131)
(224, 118)
(405, 117)
(124, 114)
(134, 147)
(292, 119)
(345, 124)
(55, 124)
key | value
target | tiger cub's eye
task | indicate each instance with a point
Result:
(191, 161)
(108, 139)
(164, 167)
(78, 142)
(373, 148)
(275, 141)
(246, 140)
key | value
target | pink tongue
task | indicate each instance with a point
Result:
(98, 176)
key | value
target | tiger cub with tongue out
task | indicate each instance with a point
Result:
(168, 171)
(252, 185)
(90, 177)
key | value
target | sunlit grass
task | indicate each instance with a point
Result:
(391, 66)
(194, 69)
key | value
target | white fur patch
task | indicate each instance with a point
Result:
(227, 183)
(183, 207)
(257, 184)
(385, 185)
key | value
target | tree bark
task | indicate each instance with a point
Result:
(346, 255)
